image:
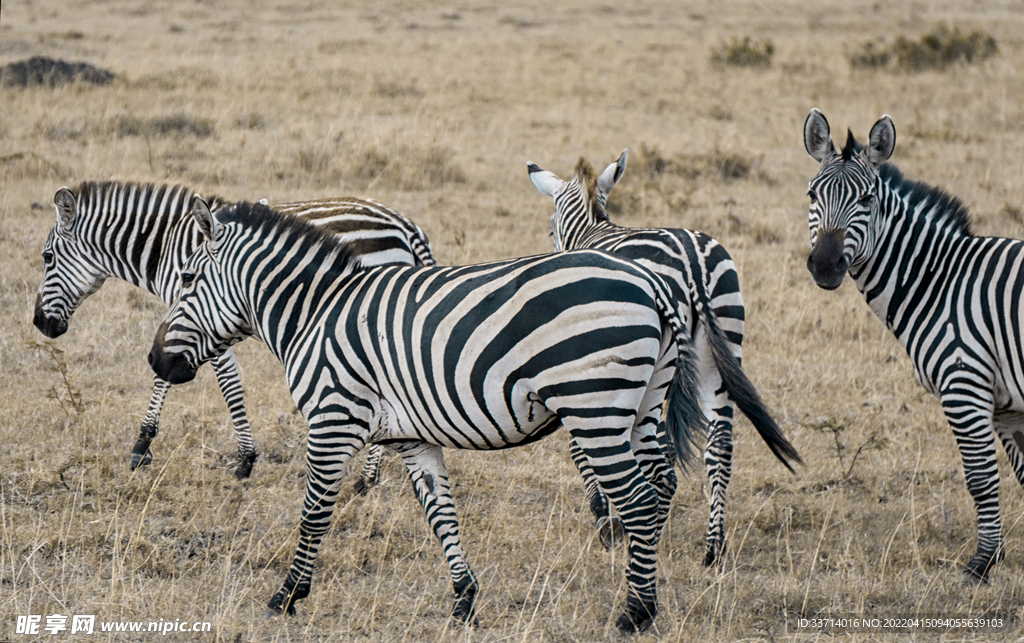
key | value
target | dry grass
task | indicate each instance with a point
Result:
(435, 111)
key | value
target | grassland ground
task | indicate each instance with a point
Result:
(435, 109)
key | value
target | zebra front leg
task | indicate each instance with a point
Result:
(429, 477)
(231, 387)
(609, 527)
(326, 461)
(971, 421)
(370, 473)
(141, 454)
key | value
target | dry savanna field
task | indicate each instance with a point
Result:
(435, 109)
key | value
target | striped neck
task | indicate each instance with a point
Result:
(915, 234)
(141, 233)
(283, 271)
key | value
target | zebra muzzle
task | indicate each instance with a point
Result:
(827, 262)
(49, 325)
(171, 367)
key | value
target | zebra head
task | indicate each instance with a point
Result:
(70, 270)
(580, 203)
(205, 320)
(844, 203)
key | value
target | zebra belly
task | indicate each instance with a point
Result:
(526, 419)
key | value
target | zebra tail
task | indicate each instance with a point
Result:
(684, 420)
(743, 393)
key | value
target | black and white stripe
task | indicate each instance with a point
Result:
(421, 358)
(142, 233)
(952, 299)
(702, 278)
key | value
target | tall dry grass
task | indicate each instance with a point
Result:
(435, 110)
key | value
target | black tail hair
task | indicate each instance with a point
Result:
(683, 417)
(743, 393)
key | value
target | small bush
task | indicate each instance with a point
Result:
(743, 53)
(716, 164)
(161, 126)
(870, 55)
(409, 168)
(935, 50)
(942, 48)
(47, 72)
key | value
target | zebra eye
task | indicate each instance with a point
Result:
(814, 197)
(186, 279)
(48, 257)
(865, 199)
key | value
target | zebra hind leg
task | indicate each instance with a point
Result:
(141, 454)
(429, 477)
(972, 421)
(609, 526)
(370, 473)
(718, 463)
(637, 501)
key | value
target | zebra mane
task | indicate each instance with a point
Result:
(950, 209)
(852, 147)
(92, 191)
(267, 222)
(587, 178)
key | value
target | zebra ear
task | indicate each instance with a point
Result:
(209, 225)
(881, 141)
(612, 174)
(817, 136)
(546, 182)
(66, 205)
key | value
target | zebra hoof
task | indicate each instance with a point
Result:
(714, 553)
(638, 617)
(976, 571)
(463, 610)
(141, 455)
(276, 607)
(360, 487)
(611, 531)
(244, 468)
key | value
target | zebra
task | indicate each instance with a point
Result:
(951, 298)
(142, 233)
(703, 282)
(485, 356)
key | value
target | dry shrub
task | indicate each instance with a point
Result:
(743, 53)
(180, 124)
(936, 50)
(716, 165)
(409, 169)
(47, 72)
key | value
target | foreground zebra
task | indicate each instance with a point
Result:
(952, 299)
(476, 357)
(143, 233)
(702, 279)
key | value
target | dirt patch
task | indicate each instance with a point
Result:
(40, 70)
